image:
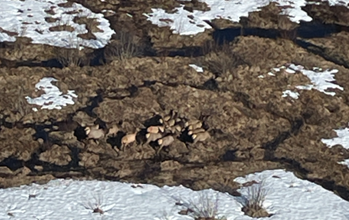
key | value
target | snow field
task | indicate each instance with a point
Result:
(287, 197)
(28, 18)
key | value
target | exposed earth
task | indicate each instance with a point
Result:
(252, 127)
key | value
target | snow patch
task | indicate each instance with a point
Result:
(331, 2)
(28, 18)
(287, 197)
(321, 79)
(197, 68)
(342, 139)
(52, 97)
(345, 162)
(184, 22)
(290, 93)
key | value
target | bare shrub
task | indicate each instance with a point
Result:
(222, 59)
(254, 199)
(21, 40)
(96, 205)
(69, 56)
(205, 208)
(124, 47)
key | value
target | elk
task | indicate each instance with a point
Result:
(200, 136)
(155, 129)
(165, 141)
(152, 137)
(195, 126)
(180, 126)
(113, 131)
(171, 115)
(127, 139)
(192, 122)
(195, 131)
(170, 122)
(94, 132)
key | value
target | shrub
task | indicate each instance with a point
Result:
(222, 60)
(68, 57)
(124, 47)
(254, 199)
(205, 208)
(96, 205)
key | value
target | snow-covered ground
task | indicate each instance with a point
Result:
(287, 197)
(51, 97)
(321, 79)
(341, 139)
(29, 18)
(197, 68)
(184, 22)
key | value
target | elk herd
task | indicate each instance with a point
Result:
(162, 131)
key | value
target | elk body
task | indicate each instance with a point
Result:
(155, 129)
(193, 122)
(200, 137)
(170, 123)
(195, 131)
(172, 115)
(165, 141)
(94, 132)
(152, 137)
(195, 126)
(113, 131)
(128, 139)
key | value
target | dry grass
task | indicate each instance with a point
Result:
(124, 47)
(254, 199)
(68, 57)
(204, 208)
(221, 60)
(96, 205)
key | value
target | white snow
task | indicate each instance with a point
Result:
(341, 139)
(197, 68)
(27, 18)
(52, 98)
(231, 10)
(333, 2)
(287, 197)
(292, 198)
(321, 79)
(290, 93)
(345, 162)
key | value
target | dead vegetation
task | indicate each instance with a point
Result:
(124, 46)
(69, 57)
(221, 59)
(254, 199)
(203, 208)
(63, 27)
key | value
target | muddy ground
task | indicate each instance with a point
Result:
(252, 126)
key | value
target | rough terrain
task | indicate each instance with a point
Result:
(252, 126)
